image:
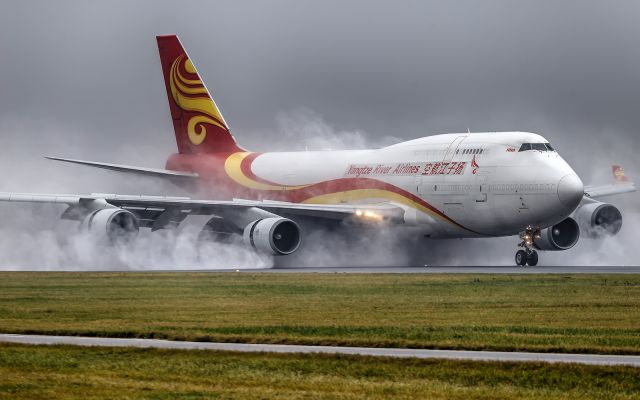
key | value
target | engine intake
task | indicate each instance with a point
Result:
(561, 236)
(113, 224)
(599, 219)
(278, 236)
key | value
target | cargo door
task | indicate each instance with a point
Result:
(453, 148)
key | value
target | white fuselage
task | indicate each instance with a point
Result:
(480, 181)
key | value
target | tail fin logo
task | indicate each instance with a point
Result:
(190, 94)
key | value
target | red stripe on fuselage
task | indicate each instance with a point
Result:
(347, 184)
(211, 169)
(245, 167)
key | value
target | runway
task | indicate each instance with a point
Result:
(450, 270)
(426, 269)
(588, 359)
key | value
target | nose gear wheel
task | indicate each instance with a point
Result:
(528, 256)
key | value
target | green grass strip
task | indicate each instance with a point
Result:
(545, 313)
(67, 372)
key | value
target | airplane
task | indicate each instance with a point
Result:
(456, 185)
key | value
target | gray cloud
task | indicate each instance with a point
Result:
(566, 69)
(82, 79)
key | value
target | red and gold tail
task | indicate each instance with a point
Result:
(197, 121)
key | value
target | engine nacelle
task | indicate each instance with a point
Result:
(561, 236)
(276, 235)
(113, 224)
(598, 219)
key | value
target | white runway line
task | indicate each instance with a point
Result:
(589, 359)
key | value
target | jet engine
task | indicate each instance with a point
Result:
(598, 219)
(275, 235)
(561, 236)
(112, 224)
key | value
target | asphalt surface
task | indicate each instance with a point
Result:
(426, 269)
(590, 359)
(451, 270)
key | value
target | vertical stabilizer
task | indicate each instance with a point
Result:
(197, 121)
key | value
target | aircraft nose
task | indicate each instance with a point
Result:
(570, 190)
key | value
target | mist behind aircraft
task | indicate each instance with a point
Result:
(82, 80)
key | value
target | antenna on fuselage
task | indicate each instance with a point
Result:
(468, 130)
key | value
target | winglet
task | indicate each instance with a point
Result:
(618, 174)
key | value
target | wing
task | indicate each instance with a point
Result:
(621, 185)
(158, 212)
(607, 190)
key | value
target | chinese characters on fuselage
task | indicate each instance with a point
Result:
(428, 169)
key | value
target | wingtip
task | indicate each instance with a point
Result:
(618, 174)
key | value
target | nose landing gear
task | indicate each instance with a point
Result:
(528, 256)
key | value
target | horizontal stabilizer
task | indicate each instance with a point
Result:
(155, 172)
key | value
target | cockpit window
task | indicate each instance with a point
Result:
(536, 146)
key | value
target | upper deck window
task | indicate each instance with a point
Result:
(536, 146)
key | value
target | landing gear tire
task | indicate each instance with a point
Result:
(532, 258)
(521, 258)
(528, 255)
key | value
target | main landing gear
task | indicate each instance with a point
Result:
(527, 256)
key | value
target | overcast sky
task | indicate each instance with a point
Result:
(82, 78)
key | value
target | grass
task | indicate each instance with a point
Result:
(62, 372)
(548, 313)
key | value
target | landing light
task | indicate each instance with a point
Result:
(368, 214)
